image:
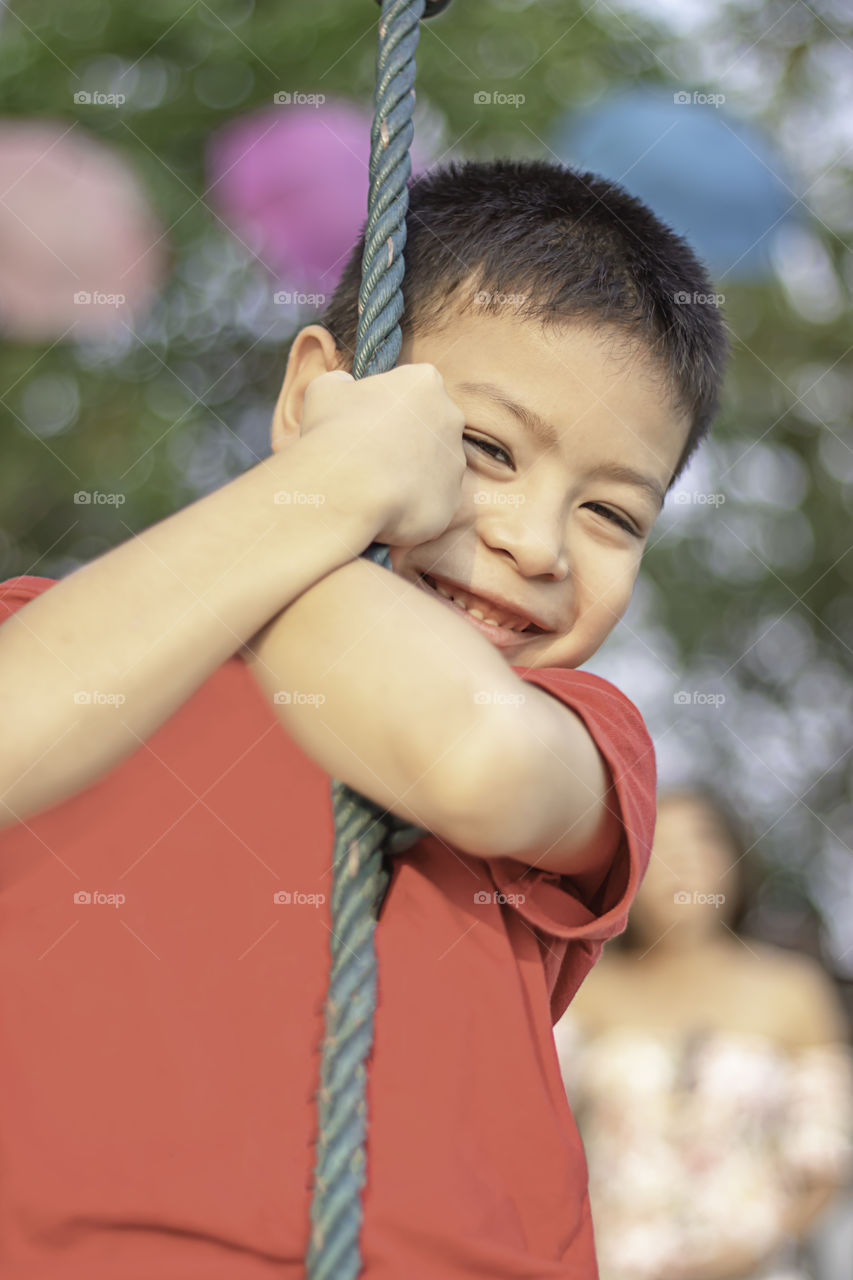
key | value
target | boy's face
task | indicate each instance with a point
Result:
(535, 526)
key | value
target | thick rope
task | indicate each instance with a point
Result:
(364, 831)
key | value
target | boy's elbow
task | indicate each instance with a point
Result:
(477, 799)
(548, 802)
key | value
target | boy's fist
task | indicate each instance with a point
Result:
(398, 438)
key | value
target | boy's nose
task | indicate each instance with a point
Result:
(537, 552)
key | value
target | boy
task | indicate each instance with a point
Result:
(165, 862)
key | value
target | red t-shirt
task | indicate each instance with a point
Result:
(159, 1052)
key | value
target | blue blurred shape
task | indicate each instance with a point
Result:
(712, 178)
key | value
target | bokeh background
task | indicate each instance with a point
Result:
(180, 183)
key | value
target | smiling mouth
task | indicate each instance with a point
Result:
(446, 592)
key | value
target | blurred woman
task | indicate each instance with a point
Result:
(709, 1073)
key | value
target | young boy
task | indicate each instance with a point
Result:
(174, 712)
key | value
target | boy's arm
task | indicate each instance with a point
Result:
(395, 695)
(151, 619)
(557, 809)
(382, 684)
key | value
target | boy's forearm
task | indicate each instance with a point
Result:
(149, 621)
(386, 689)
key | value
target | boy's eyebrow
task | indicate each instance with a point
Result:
(545, 433)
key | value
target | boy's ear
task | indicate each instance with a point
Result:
(312, 353)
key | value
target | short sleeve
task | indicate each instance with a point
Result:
(587, 910)
(16, 592)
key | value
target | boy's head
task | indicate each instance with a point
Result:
(544, 296)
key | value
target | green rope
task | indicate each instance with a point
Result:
(364, 831)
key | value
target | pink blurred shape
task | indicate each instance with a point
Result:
(291, 181)
(75, 224)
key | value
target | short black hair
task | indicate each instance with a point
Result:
(575, 247)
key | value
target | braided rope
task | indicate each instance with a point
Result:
(364, 831)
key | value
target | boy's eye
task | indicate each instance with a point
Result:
(493, 449)
(612, 515)
(487, 446)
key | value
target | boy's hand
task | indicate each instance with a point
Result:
(400, 436)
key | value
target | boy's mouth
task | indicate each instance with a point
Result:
(504, 631)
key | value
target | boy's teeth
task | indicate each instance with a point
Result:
(475, 613)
